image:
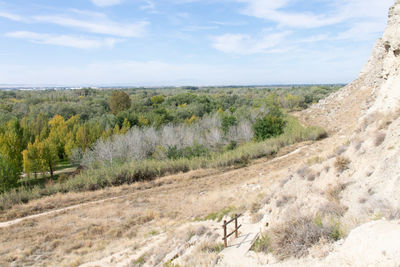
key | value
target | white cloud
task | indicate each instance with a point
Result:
(244, 44)
(342, 10)
(10, 16)
(104, 3)
(63, 40)
(97, 24)
(361, 31)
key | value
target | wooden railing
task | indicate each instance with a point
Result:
(224, 226)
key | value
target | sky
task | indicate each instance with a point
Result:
(186, 42)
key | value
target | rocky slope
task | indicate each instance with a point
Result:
(356, 180)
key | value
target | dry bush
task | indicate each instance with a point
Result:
(303, 171)
(255, 207)
(333, 192)
(333, 209)
(341, 164)
(306, 173)
(294, 237)
(379, 138)
(283, 201)
(369, 119)
(394, 214)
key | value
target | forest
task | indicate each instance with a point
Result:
(122, 136)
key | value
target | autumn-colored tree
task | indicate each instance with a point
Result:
(82, 138)
(48, 156)
(157, 99)
(57, 134)
(125, 126)
(11, 144)
(31, 158)
(119, 101)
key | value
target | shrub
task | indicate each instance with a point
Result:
(342, 163)
(294, 237)
(262, 244)
(119, 101)
(268, 127)
(379, 138)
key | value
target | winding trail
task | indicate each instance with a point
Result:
(16, 221)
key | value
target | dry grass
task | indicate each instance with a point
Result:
(294, 237)
(341, 164)
(99, 230)
(281, 202)
(255, 207)
(333, 209)
(333, 192)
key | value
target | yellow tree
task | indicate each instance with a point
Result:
(48, 156)
(125, 126)
(82, 138)
(57, 134)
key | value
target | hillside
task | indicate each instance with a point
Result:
(334, 202)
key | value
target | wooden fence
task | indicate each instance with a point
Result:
(224, 226)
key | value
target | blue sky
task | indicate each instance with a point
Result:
(186, 42)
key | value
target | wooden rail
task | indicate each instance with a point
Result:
(224, 226)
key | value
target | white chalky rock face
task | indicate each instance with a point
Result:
(386, 60)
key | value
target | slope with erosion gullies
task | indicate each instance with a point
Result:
(338, 193)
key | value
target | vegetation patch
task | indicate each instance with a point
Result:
(134, 135)
(294, 237)
(341, 164)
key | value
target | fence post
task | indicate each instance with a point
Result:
(225, 241)
(236, 228)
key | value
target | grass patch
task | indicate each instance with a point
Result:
(262, 244)
(219, 214)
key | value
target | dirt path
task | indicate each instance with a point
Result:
(233, 255)
(15, 221)
(91, 231)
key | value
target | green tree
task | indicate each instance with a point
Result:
(269, 126)
(11, 144)
(228, 121)
(58, 133)
(9, 174)
(119, 101)
(157, 99)
(31, 158)
(48, 156)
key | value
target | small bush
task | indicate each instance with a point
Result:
(283, 201)
(294, 237)
(333, 192)
(220, 214)
(262, 244)
(341, 164)
(255, 207)
(212, 247)
(269, 126)
(379, 139)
